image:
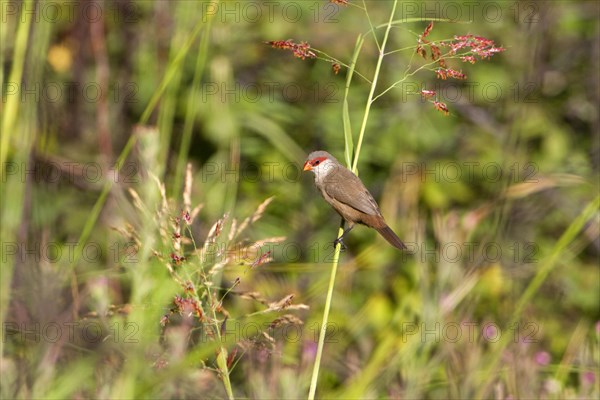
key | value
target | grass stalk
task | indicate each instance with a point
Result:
(363, 127)
(526, 298)
(175, 64)
(191, 109)
(18, 130)
(348, 136)
(222, 364)
(229, 201)
(11, 109)
(222, 353)
(323, 332)
(174, 67)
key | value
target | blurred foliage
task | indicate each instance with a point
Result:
(500, 180)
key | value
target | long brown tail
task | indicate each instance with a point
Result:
(389, 235)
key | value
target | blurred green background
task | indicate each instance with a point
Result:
(500, 298)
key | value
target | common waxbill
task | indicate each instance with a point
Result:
(348, 196)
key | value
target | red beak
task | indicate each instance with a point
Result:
(307, 166)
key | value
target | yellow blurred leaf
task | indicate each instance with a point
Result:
(60, 58)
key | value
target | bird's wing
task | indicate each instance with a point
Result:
(347, 188)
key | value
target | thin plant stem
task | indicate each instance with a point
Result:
(409, 74)
(328, 58)
(371, 25)
(336, 255)
(173, 68)
(323, 332)
(223, 369)
(348, 137)
(363, 127)
(419, 19)
(191, 110)
(222, 361)
(12, 192)
(11, 109)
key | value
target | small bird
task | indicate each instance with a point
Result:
(348, 196)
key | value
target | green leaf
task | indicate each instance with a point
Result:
(348, 140)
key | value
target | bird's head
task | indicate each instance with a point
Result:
(321, 163)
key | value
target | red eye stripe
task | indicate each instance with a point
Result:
(317, 161)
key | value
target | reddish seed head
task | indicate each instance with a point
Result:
(427, 30)
(218, 228)
(468, 48)
(469, 59)
(441, 107)
(427, 94)
(261, 260)
(455, 74)
(164, 320)
(224, 326)
(189, 287)
(177, 259)
(435, 52)
(300, 50)
(231, 357)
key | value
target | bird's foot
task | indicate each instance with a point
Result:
(340, 242)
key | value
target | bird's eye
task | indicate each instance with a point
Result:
(317, 162)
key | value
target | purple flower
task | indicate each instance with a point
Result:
(310, 350)
(589, 378)
(542, 358)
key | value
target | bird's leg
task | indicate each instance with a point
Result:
(340, 239)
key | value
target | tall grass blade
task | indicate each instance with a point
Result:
(545, 269)
(348, 139)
